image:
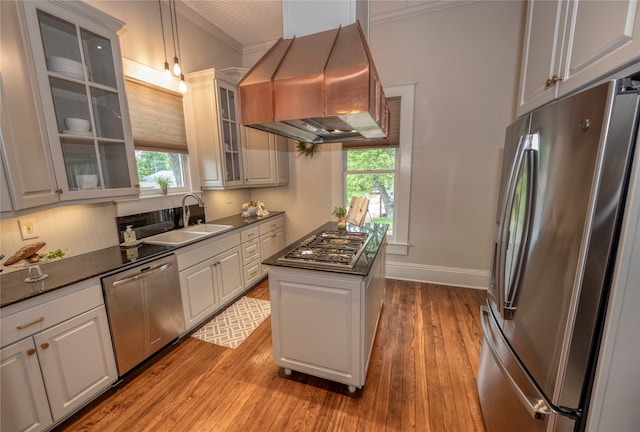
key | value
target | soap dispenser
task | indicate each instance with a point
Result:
(129, 235)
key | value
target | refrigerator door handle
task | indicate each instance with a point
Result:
(530, 161)
(503, 230)
(536, 406)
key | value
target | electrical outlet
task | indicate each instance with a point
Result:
(28, 229)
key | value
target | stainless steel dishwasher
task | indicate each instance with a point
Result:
(145, 310)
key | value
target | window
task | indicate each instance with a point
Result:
(371, 173)
(398, 200)
(154, 166)
(159, 133)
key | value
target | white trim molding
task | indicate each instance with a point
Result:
(466, 278)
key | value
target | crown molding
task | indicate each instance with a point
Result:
(418, 9)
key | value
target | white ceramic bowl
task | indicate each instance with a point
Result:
(77, 124)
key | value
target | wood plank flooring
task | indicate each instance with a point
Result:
(421, 377)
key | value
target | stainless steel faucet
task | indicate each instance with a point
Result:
(186, 213)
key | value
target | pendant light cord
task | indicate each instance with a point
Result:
(175, 20)
(173, 36)
(164, 43)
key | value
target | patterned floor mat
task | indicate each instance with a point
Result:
(231, 327)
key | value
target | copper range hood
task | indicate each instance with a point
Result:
(319, 88)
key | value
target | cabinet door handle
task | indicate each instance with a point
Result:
(24, 326)
(552, 81)
(59, 190)
(44, 345)
(31, 351)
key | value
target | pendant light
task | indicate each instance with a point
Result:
(164, 43)
(175, 39)
(174, 33)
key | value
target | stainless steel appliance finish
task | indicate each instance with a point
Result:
(336, 249)
(144, 307)
(564, 180)
(318, 88)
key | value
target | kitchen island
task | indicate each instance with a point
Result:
(324, 317)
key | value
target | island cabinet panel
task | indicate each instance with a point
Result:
(324, 323)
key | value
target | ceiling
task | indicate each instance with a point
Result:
(256, 22)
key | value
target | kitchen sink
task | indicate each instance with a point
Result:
(208, 228)
(186, 235)
(174, 238)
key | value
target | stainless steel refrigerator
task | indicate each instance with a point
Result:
(564, 180)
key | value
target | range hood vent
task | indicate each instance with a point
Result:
(319, 88)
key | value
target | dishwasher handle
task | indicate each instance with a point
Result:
(144, 273)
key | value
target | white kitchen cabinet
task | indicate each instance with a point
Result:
(30, 180)
(229, 269)
(76, 359)
(569, 45)
(78, 65)
(56, 354)
(323, 323)
(216, 129)
(24, 402)
(250, 237)
(266, 159)
(210, 277)
(272, 239)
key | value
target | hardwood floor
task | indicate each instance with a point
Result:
(421, 377)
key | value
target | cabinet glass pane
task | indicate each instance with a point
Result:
(234, 137)
(81, 164)
(224, 104)
(226, 136)
(106, 110)
(60, 42)
(115, 168)
(232, 104)
(70, 101)
(99, 58)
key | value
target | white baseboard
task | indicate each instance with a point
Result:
(467, 278)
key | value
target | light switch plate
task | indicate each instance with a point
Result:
(28, 229)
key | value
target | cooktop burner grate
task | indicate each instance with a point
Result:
(338, 249)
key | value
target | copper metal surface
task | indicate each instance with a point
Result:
(317, 88)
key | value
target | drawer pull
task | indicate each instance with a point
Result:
(253, 273)
(44, 345)
(24, 326)
(31, 352)
(251, 234)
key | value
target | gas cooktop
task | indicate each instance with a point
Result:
(329, 249)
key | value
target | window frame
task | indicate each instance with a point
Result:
(398, 242)
(146, 74)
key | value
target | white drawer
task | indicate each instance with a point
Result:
(250, 251)
(201, 251)
(271, 224)
(250, 234)
(39, 313)
(252, 274)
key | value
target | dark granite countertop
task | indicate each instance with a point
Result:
(361, 267)
(67, 271)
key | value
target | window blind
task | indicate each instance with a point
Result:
(157, 118)
(393, 138)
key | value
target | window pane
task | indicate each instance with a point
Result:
(152, 165)
(379, 189)
(378, 159)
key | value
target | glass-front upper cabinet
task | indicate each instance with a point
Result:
(230, 133)
(78, 63)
